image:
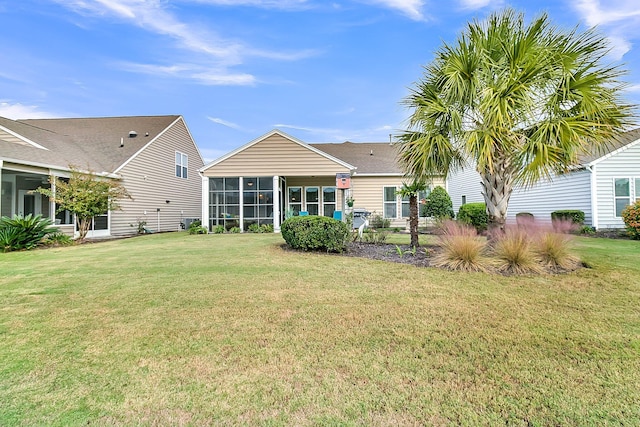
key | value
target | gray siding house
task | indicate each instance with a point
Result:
(154, 157)
(601, 186)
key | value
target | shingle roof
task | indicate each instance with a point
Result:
(613, 145)
(368, 157)
(92, 143)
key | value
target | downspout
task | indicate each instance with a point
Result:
(593, 180)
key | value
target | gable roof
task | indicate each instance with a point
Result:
(616, 145)
(370, 158)
(93, 143)
(310, 147)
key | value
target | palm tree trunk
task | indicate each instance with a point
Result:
(497, 188)
(413, 219)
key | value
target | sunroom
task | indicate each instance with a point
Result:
(269, 179)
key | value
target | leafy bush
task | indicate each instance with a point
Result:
(461, 249)
(257, 228)
(196, 228)
(27, 232)
(315, 233)
(234, 230)
(377, 221)
(514, 253)
(438, 205)
(575, 216)
(218, 229)
(631, 218)
(374, 236)
(57, 238)
(474, 214)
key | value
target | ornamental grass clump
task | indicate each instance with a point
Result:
(513, 252)
(554, 250)
(461, 248)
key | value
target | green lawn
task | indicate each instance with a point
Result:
(172, 329)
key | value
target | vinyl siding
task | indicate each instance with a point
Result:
(465, 182)
(276, 155)
(367, 193)
(623, 164)
(150, 179)
(569, 191)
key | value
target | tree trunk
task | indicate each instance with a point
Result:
(83, 227)
(413, 220)
(497, 188)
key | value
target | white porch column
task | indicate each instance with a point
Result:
(241, 202)
(276, 203)
(205, 202)
(52, 203)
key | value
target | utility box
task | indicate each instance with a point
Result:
(343, 181)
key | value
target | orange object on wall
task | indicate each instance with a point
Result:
(343, 180)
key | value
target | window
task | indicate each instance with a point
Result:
(295, 199)
(622, 194)
(390, 202)
(312, 195)
(328, 201)
(181, 165)
(637, 188)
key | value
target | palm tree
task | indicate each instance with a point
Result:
(517, 101)
(411, 191)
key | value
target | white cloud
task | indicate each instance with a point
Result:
(410, 8)
(19, 111)
(479, 4)
(619, 19)
(224, 123)
(213, 52)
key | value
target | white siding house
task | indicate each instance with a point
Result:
(601, 186)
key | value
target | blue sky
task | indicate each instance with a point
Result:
(322, 71)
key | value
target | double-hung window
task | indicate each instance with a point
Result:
(390, 202)
(181, 165)
(622, 194)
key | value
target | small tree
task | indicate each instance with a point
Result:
(439, 204)
(85, 195)
(411, 191)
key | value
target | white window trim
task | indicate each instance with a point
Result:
(385, 202)
(184, 168)
(630, 198)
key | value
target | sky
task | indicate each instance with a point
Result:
(321, 71)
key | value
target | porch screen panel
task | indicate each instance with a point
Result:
(295, 199)
(224, 202)
(257, 196)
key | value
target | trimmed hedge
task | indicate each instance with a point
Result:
(438, 204)
(573, 215)
(315, 233)
(474, 214)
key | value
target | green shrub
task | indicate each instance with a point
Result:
(257, 228)
(58, 238)
(218, 229)
(631, 218)
(574, 216)
(315, 233)
(234, 230)
(438, 205)
(196, 228)
(377, 221)
(374, 236)
(27, 232)
(474, 214)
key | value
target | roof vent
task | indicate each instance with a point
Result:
(132, 134)
(371, 153)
